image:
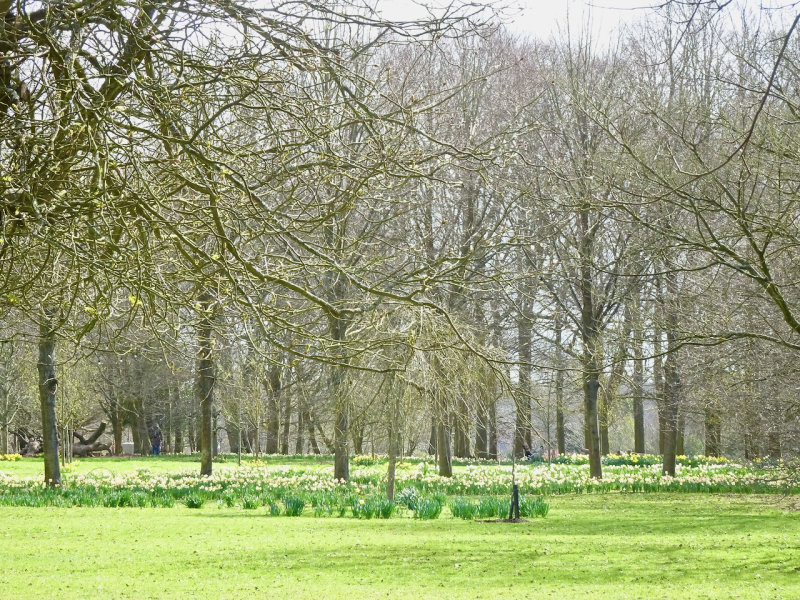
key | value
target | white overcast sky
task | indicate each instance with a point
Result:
(542, 18)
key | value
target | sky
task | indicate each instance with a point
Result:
(542, 18)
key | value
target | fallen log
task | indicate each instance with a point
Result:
(89, 445)
(93, 437)
(87, 450)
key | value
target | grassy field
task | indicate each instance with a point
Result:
(599, 545)
(596, 546)
(171, 463)
(32, 467)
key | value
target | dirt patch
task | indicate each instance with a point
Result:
(520, 520)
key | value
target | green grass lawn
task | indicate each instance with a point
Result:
(29, 467)
(593, 546)
(172, 463)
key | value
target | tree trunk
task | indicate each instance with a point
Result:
(204, 382)
(603, 419)
(325, 439)
(432, 440)
(312, 438)
(591, 385)
(774, 442)
(286, 409)
(590, 337)
(299, 442)
(341, 459)
(135, 435)
(493, 429)
(560, 434)
(671, 377)
(614, 379)
(658, 385)
(4, 425)
(357, 435)
(481, 427)
(234, 434)
(142, 438)
(522, 429)
(638, 390)
(752, 448)
(166, 446)
(273, 388)
(461, 429)
(178, 420)
(392, 467)
(251, 440)
(671, 385)
(396, 392)
(341, 395)
(442, 421)
(713, 430)
(214, 432)
(48, 384)
(443, 448)
(273, 426)
(358, 441)
(66, 449)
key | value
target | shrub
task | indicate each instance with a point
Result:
(139, 499)
(364, 508)
(294, 506)
(490, 507)
(323, 503)
(228, 498)
(463, 508)
(117, 499)
(194, 500)
(85, 497)
(124, 498)
(408, 497)
(427, 508)
(533, 507)
(250, 502)
(162, 501)
(386, 508)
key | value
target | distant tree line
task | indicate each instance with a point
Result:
(299, 228)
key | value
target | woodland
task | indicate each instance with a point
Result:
(291, 227)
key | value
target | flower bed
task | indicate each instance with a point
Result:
(281, 489)
(634, 460)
